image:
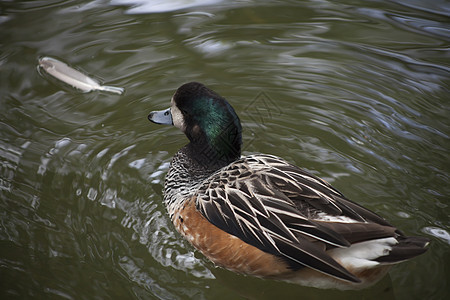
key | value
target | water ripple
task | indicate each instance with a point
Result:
(355, 92)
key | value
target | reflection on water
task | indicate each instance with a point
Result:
(160, 6)
(356, 92)
(438, 232)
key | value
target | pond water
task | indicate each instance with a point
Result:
(357, 92)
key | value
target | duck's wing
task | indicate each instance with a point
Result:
(283, 210)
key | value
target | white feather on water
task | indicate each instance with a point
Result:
(73, 77)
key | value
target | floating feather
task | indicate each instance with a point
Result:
(73, 77)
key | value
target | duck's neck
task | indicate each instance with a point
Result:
(213, 153)
(190, 166)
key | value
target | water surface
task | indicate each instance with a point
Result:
(357, 92)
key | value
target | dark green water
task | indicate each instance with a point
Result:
(355, 91)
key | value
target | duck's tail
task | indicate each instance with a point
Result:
(407, 247)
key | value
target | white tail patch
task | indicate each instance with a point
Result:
(362, 255)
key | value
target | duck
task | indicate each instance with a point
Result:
(262, 216)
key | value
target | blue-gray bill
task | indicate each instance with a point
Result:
(73, 77)
(161, 117)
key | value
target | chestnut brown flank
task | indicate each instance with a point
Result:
(225, 249)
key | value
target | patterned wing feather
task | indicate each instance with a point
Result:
(272, 205)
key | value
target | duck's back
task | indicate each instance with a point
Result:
(300, 219)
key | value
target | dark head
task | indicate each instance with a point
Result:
(207, 119)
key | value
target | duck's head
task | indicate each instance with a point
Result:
(207, 119)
